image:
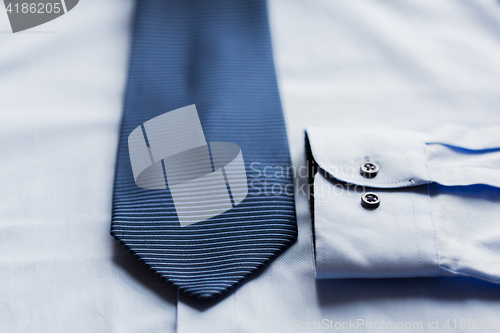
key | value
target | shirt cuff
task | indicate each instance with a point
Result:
(398, 238)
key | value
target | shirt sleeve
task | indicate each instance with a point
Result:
(438, 210)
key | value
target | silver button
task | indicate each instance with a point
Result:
(370, 200)
(369, 169)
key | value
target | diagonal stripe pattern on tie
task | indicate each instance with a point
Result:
(216, 55)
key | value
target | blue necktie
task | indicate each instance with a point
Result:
(216, 55)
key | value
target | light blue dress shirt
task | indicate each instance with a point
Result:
(366, 66)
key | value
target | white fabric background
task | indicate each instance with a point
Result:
(409, 64)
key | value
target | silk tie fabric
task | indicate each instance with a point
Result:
(216, 55)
